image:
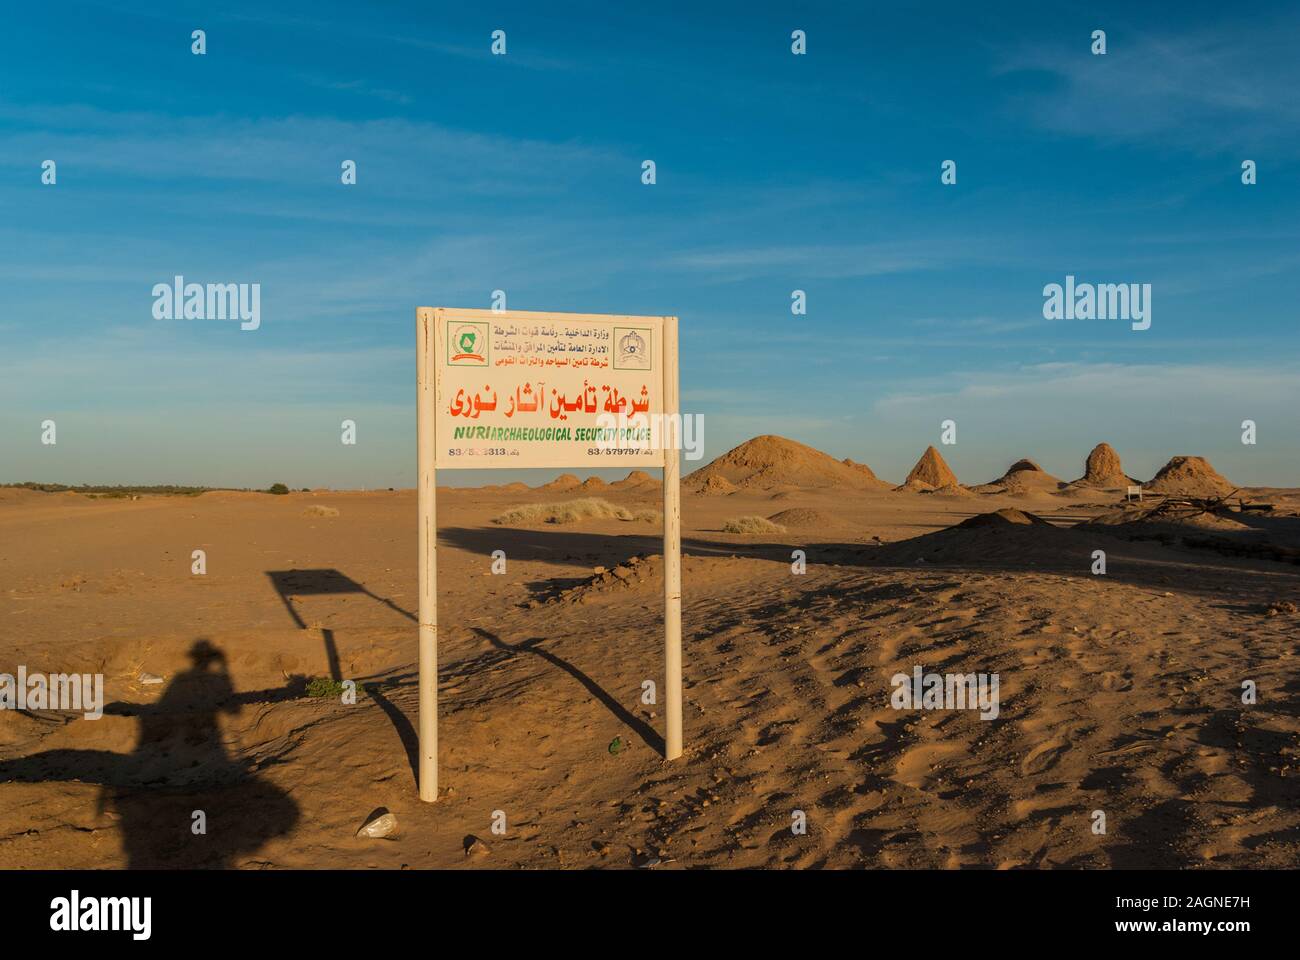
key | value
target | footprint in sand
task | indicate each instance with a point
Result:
(1118, 682)
(893, 643)
(1043, 757)
(914, 766)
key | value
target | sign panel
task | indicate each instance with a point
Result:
(514, 389)
(549, 390)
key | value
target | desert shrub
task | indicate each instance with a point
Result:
(751, 525)
(317, 510)
(278, 488)
(324, 687)
(571, 511)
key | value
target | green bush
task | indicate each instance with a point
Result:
(324, 687)
(278, 488)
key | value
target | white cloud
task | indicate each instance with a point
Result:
(393, 155)
(1207, 89)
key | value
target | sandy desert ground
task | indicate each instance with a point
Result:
(1119, 693)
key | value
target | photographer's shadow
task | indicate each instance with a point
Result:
(180, 799)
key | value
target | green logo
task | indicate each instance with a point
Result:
(467, 344)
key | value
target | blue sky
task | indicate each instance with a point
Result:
(775, 172)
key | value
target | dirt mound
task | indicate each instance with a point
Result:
(637, 571)
(1000, 518)
(635, 480)
(1023, 476)
(1191, 477)
(1026, 476)
(1143, 518)
(565, 481)
(1103, 469)
(641, 574)
(861, 467)
(930, 473)
(713, 487)
(17, 495)
(801, 517)
(1008, 538)
(770, 461)
(951, 490)
(1193, 529)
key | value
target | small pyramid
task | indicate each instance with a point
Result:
(769, 462)
(637, 480)
(565, 481)
(1025, 464)
(1190, 476)
(1022, 477)
(931, 471)
(1103, 469)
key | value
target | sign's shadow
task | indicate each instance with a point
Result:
(646, 732)
(319, 582)
(327, 581)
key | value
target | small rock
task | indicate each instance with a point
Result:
(383, 825)
(149, 678)
(476, 848)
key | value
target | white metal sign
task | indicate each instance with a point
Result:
(547, 390)
(514, 389)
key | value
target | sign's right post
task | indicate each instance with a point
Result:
(672, 434)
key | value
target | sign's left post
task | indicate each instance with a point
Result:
(425, 418)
